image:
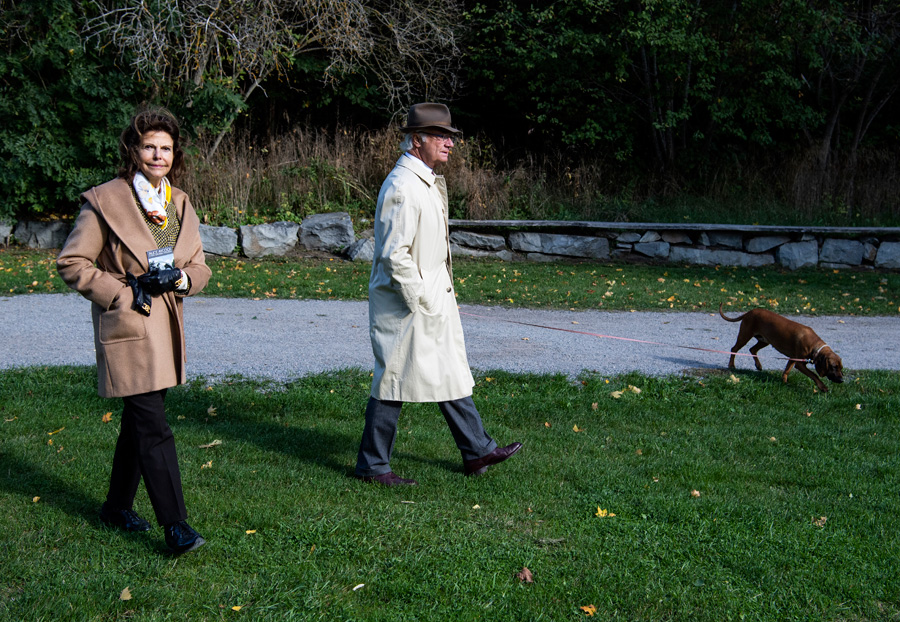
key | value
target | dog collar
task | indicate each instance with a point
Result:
(816, 353)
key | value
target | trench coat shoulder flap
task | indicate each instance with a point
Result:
(418, 168)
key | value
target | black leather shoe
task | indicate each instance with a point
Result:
(388, 479)
(123, 519)
(181, 537)
(480, 465)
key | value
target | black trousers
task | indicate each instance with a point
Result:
(146, 448)
(380, 432)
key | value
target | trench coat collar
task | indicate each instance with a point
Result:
(115, 203)
(418, 167)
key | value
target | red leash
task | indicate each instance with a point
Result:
(601, 336)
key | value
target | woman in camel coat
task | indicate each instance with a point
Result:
(138, 320)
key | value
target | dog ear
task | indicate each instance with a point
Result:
(820, 364)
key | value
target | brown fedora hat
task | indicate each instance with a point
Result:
(428, 115)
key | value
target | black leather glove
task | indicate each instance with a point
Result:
(158, 281)
(142, 297)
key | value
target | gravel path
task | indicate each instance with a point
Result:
(285, 339)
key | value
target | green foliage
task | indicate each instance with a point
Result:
(679, 82)
(61, 109)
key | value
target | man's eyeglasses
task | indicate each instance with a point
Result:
(441, 137)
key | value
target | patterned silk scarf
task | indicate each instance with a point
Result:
(153, 200)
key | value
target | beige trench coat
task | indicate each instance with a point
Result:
(135, 354)
(417, 337)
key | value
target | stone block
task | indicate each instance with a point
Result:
(796, 255)
(464, 251)
(479, 241)
(35, 234)
(332, 231)
(765, 243)
(888, 255)
(540, 257)
(650, 236)
(218, 240)
(726, 239)
(870, 251)
(628, 237)
(558, 244)
(836, 250)
(707, 257)
(276, 238)
(5, 231)
(676, 237)
(656, 250)
(362, 250)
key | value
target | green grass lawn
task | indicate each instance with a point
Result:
(574, 285)
(795, 514)
(705, 497)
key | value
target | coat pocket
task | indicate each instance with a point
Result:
(120, 322)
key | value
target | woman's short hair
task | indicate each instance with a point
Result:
(149, 120)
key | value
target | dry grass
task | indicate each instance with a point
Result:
(310, 171)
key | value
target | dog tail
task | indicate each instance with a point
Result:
(728, 319)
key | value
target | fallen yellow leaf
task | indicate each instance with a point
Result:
(603, 513)
(616, 394)
(211, 411)
(546, 424)
(106, 418)
(575, 428)
(208, 465)
(733, 379)
(695, 493)
(125, 594)
(55, 431)
(236, 608)
(819, 522)
(595, 406)
(249, 531)
(590, 610)
(35, 499)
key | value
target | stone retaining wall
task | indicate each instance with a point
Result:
(699, 244)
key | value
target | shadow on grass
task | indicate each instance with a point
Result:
(272, 425)
(25, 478)
(264, 424)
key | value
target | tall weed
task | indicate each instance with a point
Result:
(308, 170)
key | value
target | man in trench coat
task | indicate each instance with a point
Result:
(417, 338)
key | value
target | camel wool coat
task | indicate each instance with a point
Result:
(135, 354)
(417, 337)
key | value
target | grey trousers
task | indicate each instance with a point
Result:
(378, 437)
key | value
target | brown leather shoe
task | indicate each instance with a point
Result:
(480, 465)
(388, 479)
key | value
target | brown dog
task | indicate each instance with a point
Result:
(796, 341)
